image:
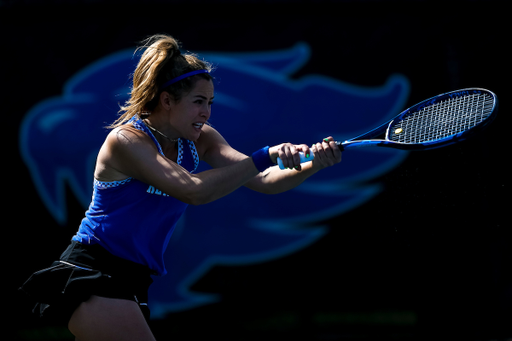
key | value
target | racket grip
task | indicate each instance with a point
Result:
(303, 159)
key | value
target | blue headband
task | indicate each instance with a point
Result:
(185, 75)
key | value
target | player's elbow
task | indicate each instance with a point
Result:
(195, 194)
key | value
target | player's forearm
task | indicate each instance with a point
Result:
(275, 180)
(216, 183)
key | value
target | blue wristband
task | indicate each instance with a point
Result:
(261, 159)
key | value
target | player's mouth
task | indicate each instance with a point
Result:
(198, 125)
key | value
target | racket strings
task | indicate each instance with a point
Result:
(443, 119)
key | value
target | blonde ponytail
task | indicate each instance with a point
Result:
(160, 62)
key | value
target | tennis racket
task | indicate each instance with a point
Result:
(436, 122)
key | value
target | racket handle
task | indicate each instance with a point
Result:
(303, 159)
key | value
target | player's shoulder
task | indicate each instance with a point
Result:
(208, 133)
(210, 139)
(128, 133)
(127, 137)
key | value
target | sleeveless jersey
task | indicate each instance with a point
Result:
(134, 220)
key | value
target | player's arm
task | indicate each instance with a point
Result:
(273, 180)
(132, 153)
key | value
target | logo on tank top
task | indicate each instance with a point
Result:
(156, 191)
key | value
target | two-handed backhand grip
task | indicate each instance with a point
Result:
(303, 159)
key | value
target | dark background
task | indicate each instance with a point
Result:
(429, 257)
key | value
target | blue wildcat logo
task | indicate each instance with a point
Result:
(257, 103)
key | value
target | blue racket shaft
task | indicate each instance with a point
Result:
(303, 159)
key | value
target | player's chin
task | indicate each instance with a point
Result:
(193, 136)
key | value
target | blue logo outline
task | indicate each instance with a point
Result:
(273, 69)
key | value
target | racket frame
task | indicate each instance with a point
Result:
(371, 138)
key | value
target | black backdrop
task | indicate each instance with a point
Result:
(430, 256)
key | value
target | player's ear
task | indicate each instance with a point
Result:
(166, 100)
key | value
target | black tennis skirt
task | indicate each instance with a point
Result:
(83, 271)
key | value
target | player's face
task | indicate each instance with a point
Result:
(193, 110)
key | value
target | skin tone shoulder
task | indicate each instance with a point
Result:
(128, 152)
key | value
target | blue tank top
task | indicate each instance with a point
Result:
(134, 220)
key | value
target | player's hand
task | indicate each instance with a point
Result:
(326, 153)
(289, 154)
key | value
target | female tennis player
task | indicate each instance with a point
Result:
(143, 181)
